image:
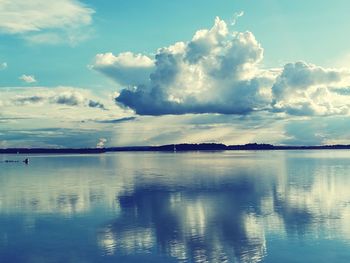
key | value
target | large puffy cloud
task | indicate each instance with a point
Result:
(216, 72)
(306, 89)
(219, 71)
(45, 21)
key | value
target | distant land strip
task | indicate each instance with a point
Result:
(171, 148)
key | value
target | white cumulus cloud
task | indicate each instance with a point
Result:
(220, 71)
(216, 72)
(306, 89)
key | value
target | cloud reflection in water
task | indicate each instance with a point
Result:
(191, 207)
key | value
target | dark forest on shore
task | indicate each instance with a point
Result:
(171, 148)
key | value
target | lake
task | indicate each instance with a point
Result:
(267, 206)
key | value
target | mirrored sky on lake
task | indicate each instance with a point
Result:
(281, 206)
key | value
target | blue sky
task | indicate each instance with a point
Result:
(58, 83)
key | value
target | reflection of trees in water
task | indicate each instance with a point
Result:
(191, 225)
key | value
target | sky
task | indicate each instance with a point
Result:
(93, 73)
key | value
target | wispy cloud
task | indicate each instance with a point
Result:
(28, 78)
(3, 66)
(43, 21)
(115, 121)
(236, 16)
(101, 143)
(126, 68)
(52, 137)
(67, 97)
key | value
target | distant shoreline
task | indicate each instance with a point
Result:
(171, 148)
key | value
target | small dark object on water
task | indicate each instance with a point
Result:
(11, 161)
(26, 161)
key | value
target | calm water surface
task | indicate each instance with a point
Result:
(280, 206)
